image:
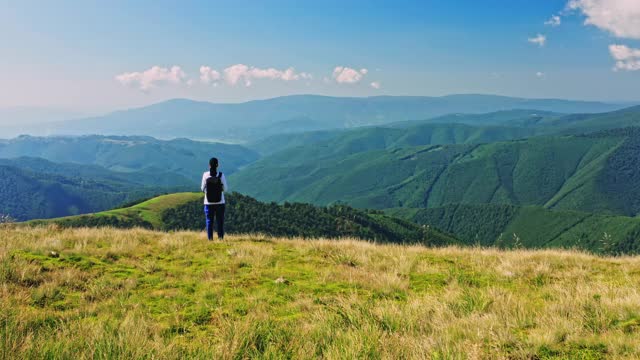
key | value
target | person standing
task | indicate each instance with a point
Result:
(214, 185)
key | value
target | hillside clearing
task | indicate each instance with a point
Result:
(106, 293)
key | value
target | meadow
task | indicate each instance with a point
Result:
(141, 294)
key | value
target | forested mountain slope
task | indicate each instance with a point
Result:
(457, 128)
(26, 194)
(531, 227)
(597, 172)
(153, 177)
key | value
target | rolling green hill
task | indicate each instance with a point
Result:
(584, 123)
(531, 227)
(37, 188)
(131, 153)
(448, 129)
(26, 194)
(457, 128)
(156, 177)
(275, 143)
(184, 211)
(309, 147)
(594, 173)
(515, 117)
(543, 121)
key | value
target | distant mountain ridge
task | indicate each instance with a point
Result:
(296, 113)
(183, 157)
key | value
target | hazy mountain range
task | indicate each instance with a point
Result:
(298, 113)
(27, 115)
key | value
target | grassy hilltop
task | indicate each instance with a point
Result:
(107, 293)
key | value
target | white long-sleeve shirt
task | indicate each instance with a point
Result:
(207, 175)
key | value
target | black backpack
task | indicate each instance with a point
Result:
(214, 188)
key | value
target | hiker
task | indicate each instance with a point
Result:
(214, 185)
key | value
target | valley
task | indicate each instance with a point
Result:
(539, 161)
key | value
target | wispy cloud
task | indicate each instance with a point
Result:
(347, 75)
(618, 17)
(626, 58)
(539, 40)
(154, 76)
(540, 75)
(554, 21)
(376, 85)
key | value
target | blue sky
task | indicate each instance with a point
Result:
(92, 55)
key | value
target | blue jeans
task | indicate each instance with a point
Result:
(215, 212)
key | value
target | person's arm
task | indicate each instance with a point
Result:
(203, 186)
(225, 188)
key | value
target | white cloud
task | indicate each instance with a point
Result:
(347, 75)
(209, 75)
(553, 21)
(540, 75)
(240, 72)
(376, 85)
(626, 58)
(619, 17)
(540, 40)
(234, 73)
(152, 77)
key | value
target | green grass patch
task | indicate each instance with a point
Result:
(144, 294)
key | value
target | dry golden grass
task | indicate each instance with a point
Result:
(117, 294)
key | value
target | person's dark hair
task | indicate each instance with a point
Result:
(213, 164)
